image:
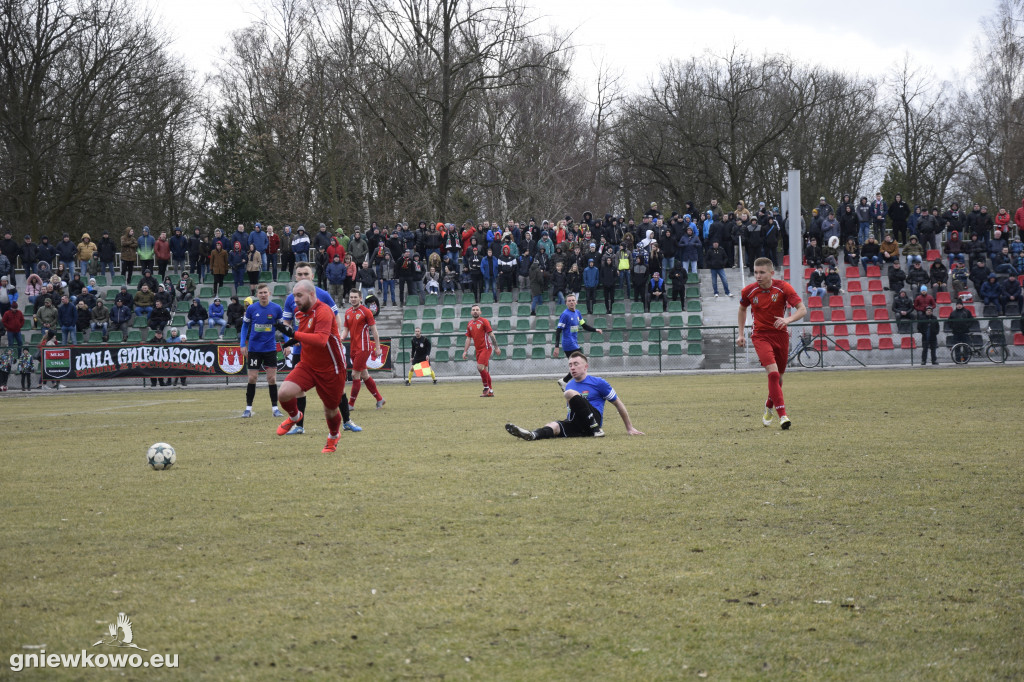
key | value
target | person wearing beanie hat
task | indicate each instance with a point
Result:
(146, 249)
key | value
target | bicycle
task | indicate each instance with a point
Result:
(995, 350)
(804, 352)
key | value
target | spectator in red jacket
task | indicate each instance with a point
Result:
(1018, 217)
(13, 321)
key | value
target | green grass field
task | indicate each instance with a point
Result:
(880, 538)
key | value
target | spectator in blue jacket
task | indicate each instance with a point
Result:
(239, 235)
(656, 292)
(179, 251)
(218, 318)
(67, 252)
(990, 291)
(67, 317)
(120, 317)
(261, 241)
(300, 245)
(489, 270)
(591, 280)
(689, 248)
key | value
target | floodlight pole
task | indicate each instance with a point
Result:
(796, 251)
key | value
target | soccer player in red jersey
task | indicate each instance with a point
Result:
(769, 299)
(360, 327)
(478, 330)
(322, 364)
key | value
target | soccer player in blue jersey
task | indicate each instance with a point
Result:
(304, 271)
(259, 346)
(585, 396)
(569, 324)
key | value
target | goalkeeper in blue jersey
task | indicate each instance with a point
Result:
(585, 397)
(569, 324)
(259, 346)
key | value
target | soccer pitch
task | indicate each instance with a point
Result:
(880, 538)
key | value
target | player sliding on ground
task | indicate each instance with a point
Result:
(769, 298)
(585, 396)
(322, 364)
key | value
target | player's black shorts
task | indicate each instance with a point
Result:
(264, 360)
(577, 427)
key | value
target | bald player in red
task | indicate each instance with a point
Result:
(769, 298)
(322, 364)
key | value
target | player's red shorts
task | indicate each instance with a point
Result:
(772, 348)
(359, 359)
(483, 357)
(329, 386)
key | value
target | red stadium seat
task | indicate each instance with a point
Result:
(884, 329)
(1018, 339)
(819, 344)
(840, 330)
(874, 271)
(861, 330)
(860, 315)
(807, 273)
(907, 342)
(875, 285)
(885, 343)
(932, 254)
(944, 311)
(857, 301)
(942, 298)
(785, 261)
(878, 301)
(1020, 278)
(842, 344)
(838, 315)
(818, 330)
(814, 301)
(817, 316)
(854, 287)
(864, 344)
(881, 314)
(852, 272)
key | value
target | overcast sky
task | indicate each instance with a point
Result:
(635, 36)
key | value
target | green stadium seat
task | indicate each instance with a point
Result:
(523, 310)
(442, 356)
(280, 291)
(429, 313)
(537, 353)
(675, 335)
(410, 314)
(210, 334)
(619, 323)
(524, 296)
(543, 324)
(676, 321)
(101, 280)
(694, 321)
(134, 336)
(505, 297)
(487, 298)
(111, 295)
(694, 334)
(635, 350)
(503, 326)
(427, 328)
(28, 311)
(408, 329)
(540, 339)
(95, 337)
(431, 299)
(519, 353)
(139, 322)
(616, 337)
(182, 306)
(692, 292)
(654, 349)
(674, 349)
(115, 337)
(596, 352)
(675, 306)
(519, 340)
(504, 311)
(447, 313)
(205, 291)
(231, 334)
(598, 322)
(543, 310)
(467, 312)
(444, 341)
(638, 322)
(449, 300)
(117, 281)
(636, 308)
(694, 349)
(267, 277)
(485, 311)
(618, 308)
(656, 322)
(402, 358)
(615, 351)
(447, 327)
(192, 334)
(693, 306)
(523, 324)
(635, 336)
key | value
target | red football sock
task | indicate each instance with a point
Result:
(487, 380)
(356, 385)
(334, 424)
(291, 408)
(484, 377)
(768, 404)
(775, 393)
(372, 385)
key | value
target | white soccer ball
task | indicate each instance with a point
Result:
(161, 456)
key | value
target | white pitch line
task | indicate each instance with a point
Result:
(114, 407)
